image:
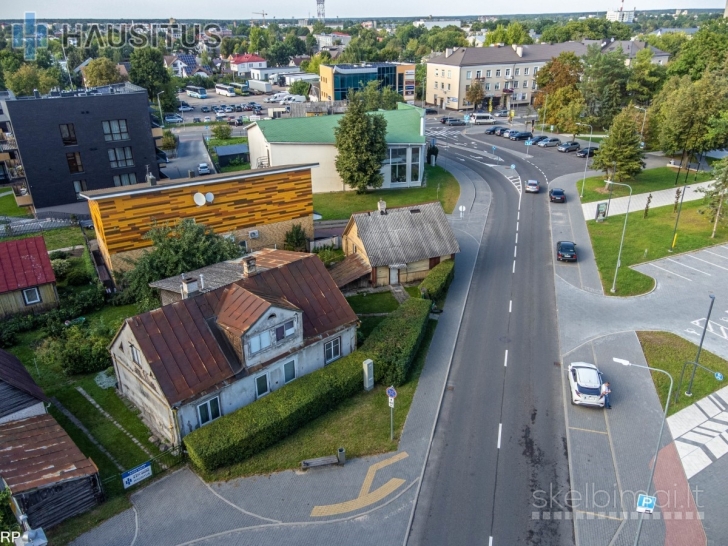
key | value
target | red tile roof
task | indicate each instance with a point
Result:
(24, 263)
(37, 452)
(247, 58)
(14, 373)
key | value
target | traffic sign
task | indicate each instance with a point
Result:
(528, 143)
(135, 475)
(719, 376)
(391, 402)
(494, 149)
(645, 503)
(391, 392)
(513, 167)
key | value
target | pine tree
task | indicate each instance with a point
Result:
(620, 153)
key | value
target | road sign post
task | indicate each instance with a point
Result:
(646, 503)
(461, 208)
(135, 475)
(392, 393)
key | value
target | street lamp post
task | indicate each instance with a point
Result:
(689, 392)
(161, 114)
(659, 437)
(586, 159)
(621, 243)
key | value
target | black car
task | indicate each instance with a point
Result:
(455, 121)
(491, 130)
(501, 113)
(566, 251)
(238, 108)
(430, 111)
(205, 109)
(520, 136)
(587, 152)
(535, 140)
(557, 195)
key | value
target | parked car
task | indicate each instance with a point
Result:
(532, 186)
(549, 142)
(499, 130)
(507, 133)
(205, 109)
(203, 168)
(445, 119)
(430, 111)
(207, 119)
(238, 108)
(521, 135)
(557, 195)
(587, 152)
(585, 384)
(569, 146)
(229, 109)
(491, 130)
(185, 108)
(565, 251)
(196, 120)
(535, 140)
(455, 121)
(501, 113)
(173, 119)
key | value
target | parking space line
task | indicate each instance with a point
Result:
(670, 272)
(500, 430)
(709, 263)
(588, 430)
(598, 515)
(505, 362)
(719, 255)
(694, 269)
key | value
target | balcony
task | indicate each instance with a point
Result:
(157, 132)
(22, 195)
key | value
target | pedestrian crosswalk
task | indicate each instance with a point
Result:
(443, 132)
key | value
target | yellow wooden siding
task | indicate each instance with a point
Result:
(12, 303)
(350, 239)
(121, 222)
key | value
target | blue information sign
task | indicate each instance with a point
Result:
(719, 376)
(391, 392)
(645, 503)
(135, 475)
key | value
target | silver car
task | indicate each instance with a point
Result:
(532, 186)
(585, 384)
(507, 133)
(549, 142)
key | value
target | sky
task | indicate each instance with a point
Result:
(228, 9)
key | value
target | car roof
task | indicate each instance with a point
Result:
(532, 182)
(587, 375)
(557, 190)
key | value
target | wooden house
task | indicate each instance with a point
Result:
(27, 282)
(20, 396)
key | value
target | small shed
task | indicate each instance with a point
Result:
(27, 282)
(20, 396)
(50, 480)
(228, 154)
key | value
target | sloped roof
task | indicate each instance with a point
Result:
(352, 267)
(37, 452)
(24, 263)
(14, 373)
(405, 234)
(403, 127)
(246, 58)
(233, 149)
(189, 60)
(474, 56)
(241, 308)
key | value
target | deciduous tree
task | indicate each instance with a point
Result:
(645, 78)
(706, 50)
(475, 94)
(603, 84)
(101, 71)
(28, 78)
(148, 71)
(562, 71)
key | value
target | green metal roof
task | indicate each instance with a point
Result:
(403, 127)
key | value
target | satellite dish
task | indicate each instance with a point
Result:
(199, 199)
(209, 197)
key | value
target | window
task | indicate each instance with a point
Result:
(120, 157)
(31, 296)
(135, 356)
(289, 371)
(525, 71)
(125, 179)
(448, 87)
(467, 87)
(506, 85)
(437, 72)
(115, 129)
(68, 134)
(398, 164)
(435, 85)
(487, 87)
(535, 70)
(78, 187)
(74, 162)
(478, 74)
(209, 411)
(517, 72)
(497, 73)
(524, 96)
(332, 350)
(415, 167)
(515, 84)
(487, 73)
(286, 329)
(468, 75)
(525, 84)
(259, 342)
(508, 72)
(497, 86)
(261, 385)
(449, 73)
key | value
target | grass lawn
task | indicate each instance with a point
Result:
(58, 238)
(340, 205)
(360, 425)
(8, 206)
(647, 239)
(235, 168)
(215, 142)
(74, 527)
(594, 140)
(649, 180)
(380, 302)
(669, 352)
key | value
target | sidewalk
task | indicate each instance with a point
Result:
(660, 198)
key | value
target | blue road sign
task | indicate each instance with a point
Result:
(494, 149)
(513, 167)
(719, 376)
(135, 475)
(645, 503)
(391, 392)
(528, 143)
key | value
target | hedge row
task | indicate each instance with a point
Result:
(394, 342)
(438, 280)
(252, 428)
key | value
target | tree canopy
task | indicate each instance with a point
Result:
(101, 71)
(620, 154)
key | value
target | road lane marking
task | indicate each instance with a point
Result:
(709, 263)
(505, 362)
(598, 515)
(694, 269)
(514, 266)
(500, 429)
(510, 306)
(588, 430)
(670, 272)
(366, 497)
(517, 226)
(516, 238)
(515, 249)
(490, 541)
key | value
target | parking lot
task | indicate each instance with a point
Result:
(213, 99)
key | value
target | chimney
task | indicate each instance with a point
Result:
(151, 179)
(382, 206)
(249, 266)
(519, 51)
(202, 281)
(448, 52)
(36, 93)
(189, 287)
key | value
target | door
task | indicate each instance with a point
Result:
(393, 275)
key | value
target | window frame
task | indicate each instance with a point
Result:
(259, 337)
(267, 385)
(292, 363)
(78, 187)
(37, 298)
(335, 342)
(286, 333)
(71, 139)
(126, 160)
(525, 71)
(208, 404)
(135, 355)
(468, 75)
(128, 177)
(75, 164)
(120, 134)
(487, 73)
(498, 73)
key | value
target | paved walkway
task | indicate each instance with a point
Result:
(660, 198)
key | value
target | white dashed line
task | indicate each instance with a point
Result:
(505, 362)
(510, 306)
(514, 266)
(490, 541)
(517, 226)
(516, 238)
(515, 250)
(500, 430)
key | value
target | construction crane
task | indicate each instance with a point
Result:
(263, 13)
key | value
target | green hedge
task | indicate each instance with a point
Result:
(438, 280)
(252, 428)
(394, 342)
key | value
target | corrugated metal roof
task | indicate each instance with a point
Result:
(24, 263)
(37, 452)
(405, 234)
(241, 308)
(353, 267)
(14, 373)
(403, 127)
(233, 149)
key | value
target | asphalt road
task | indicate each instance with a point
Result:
(500, 437)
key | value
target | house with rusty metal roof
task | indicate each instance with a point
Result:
(27, 282)
(391, 246)
(227, 338)
(20, 396)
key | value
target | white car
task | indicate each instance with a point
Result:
(185, 108)
(229, 109)
(207, 119)
(173, 119)
(203, 168)
(585, 384)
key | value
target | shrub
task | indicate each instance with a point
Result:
(60, 267)
(78, 277)
(222, 132)
(77, 350)
(438, 280)
(295, 239)
(58, 255)
(394, 342)
(238, 435)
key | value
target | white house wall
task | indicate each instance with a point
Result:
(264, 323)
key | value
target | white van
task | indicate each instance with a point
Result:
(276, 97)
(481, 119)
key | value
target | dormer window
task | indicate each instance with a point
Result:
(286, 329)
(259, 342)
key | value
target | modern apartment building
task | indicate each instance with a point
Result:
(55, 146)
(338, 79)
(507, 73)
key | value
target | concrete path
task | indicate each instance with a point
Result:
(660, 198)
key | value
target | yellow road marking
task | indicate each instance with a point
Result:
(366, 497)
(588, 430)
